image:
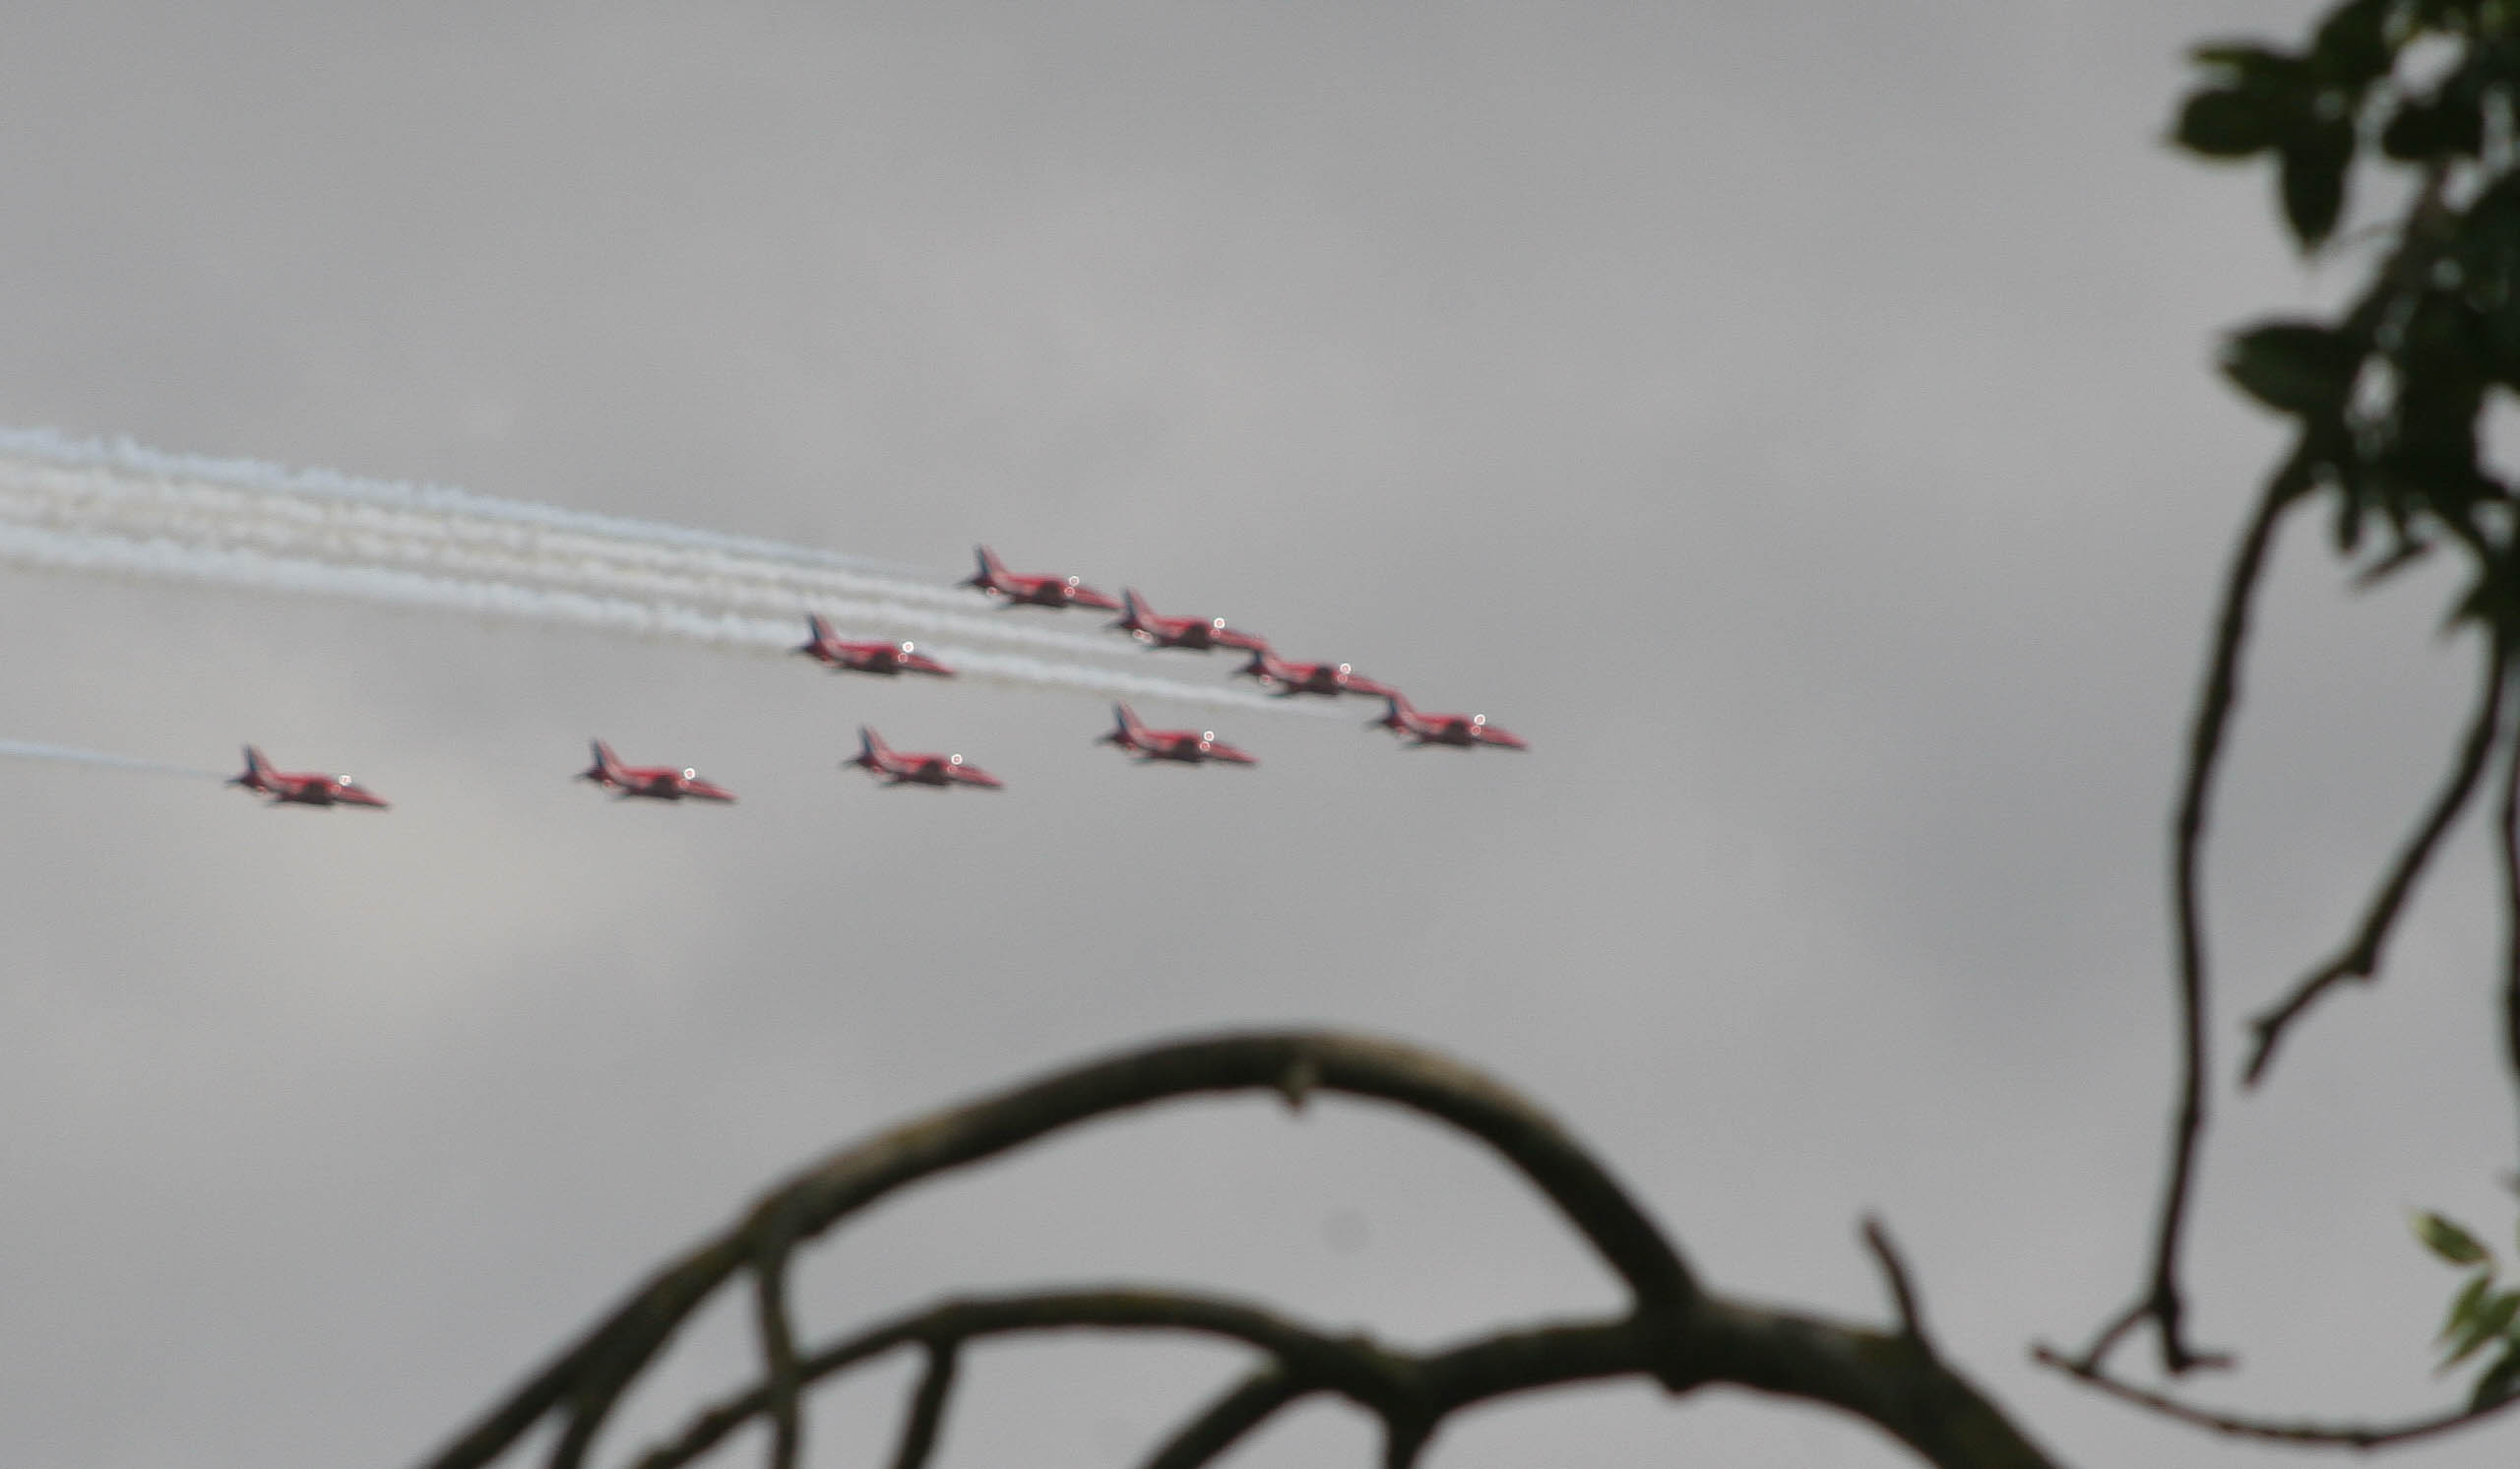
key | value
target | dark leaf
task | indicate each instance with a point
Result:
(2248, 61)
(2486, 1323)
(2314, 163)
(2431, 128)
(2463, 1309)
(2448, 1241)
(2294, 367)
(2499, 1381)
(2226, 124)
(2432, 463)
(2352, 48)
(2487, 251)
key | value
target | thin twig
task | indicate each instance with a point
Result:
(920, 1430)
(1912, 1318)
(2300, 1432)
(2360, 959)
(2509, 844)
(2162, 1301)
(778, 1375)
(2421, 239)
(1222, 1423)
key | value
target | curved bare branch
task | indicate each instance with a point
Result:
(2305, 1432)
(2360, 958)
(583, 1383)
(2162, 1301)
(1673, 1332)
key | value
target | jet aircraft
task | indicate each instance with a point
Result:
(1284, 679)
(1461, 730)
(305, 788)
(903, 768)
(865, 658)
(1189, 746)
(1035, 591)
(655, 781)
(1199, 634)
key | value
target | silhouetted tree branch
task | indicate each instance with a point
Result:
(2360, 959)
(1672, 1332)
(2386, 401)
(2304, 1432)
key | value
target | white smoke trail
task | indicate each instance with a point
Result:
(122, 455)
(25, 750)
(130, 493)
(41, 549)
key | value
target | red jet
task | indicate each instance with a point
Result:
(900, 768)
(655, 781)
(867, 658)
(1189, 746)
(1461, 730)
(1283, 678)
(305, 789)
(1200, 635)
(1035, 591)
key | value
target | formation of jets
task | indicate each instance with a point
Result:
(1284, 677)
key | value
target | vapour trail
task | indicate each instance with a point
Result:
(133, 459)
(446, 533)
(40, 548)
(24, 750)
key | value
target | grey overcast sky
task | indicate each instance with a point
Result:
(1796, 421)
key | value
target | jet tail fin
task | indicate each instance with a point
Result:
(1125, 730)
(255, 766)
(605, 768)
